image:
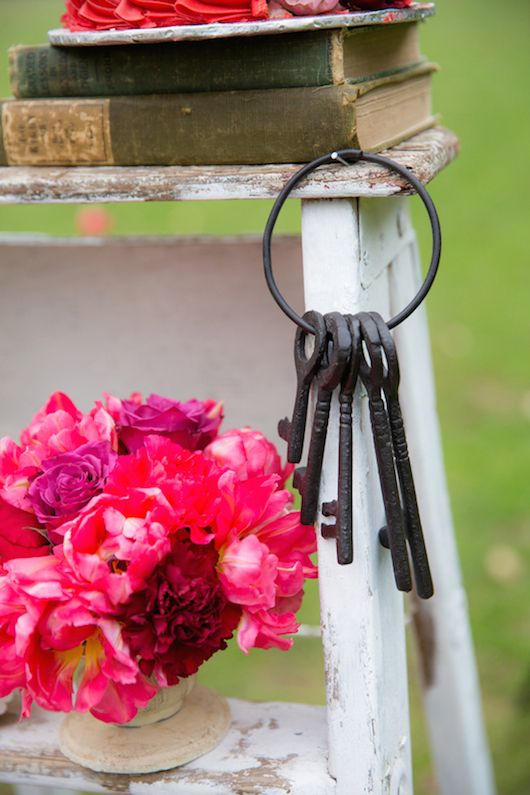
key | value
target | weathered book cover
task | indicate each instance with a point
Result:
(234, 127)
(311, 58)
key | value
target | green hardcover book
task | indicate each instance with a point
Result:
(229, 127)
(314, 58)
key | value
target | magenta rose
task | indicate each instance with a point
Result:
(192, 425)
(70, 480)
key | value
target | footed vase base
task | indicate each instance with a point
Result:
(197, 728)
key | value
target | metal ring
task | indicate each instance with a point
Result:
(347, 157)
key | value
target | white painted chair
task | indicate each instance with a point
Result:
(359, 252)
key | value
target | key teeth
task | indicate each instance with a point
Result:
(284, 429)
(329, 508)
(298, 479)
(383, 537)
(328, 530)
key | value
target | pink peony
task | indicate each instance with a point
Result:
(192, 424)
(248, 453)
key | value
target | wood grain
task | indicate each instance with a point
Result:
(271, 749)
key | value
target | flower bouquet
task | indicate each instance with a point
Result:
(134, 542)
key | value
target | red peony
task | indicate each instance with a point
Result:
(182, 616)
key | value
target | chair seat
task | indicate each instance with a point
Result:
(272, 748)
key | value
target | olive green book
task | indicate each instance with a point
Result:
(222, 128)
(291, 60)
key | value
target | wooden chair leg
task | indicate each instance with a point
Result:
(451, 689)
(345, 268)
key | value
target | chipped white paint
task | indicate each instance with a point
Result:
(452, 698)
(425, 154)
(362, 612)
(271, 749)
(281, 748)
(223, 30)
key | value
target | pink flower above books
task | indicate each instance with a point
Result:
(136, 557)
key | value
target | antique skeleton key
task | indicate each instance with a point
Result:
(372, 376)
(418, 552)
(329, 376)
(341, 508)
(293, 431)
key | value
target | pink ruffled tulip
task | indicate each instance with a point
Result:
(49, 624)
(255, 527)
(249, 454)
(248, 573)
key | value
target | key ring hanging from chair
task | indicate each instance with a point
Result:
(348, 157)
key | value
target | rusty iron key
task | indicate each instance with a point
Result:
(341, 508)
(328, 378)
(293, 431)
(372, 376)
(414, 531)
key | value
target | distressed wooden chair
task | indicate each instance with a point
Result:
(359, 252)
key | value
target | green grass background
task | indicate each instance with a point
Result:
(480, 331)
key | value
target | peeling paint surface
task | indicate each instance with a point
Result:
(425, 154)
(272, 749)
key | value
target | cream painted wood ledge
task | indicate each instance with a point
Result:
(271, 749)
(426, 154)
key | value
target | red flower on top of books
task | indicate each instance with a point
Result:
(134, 541)
(122, 14)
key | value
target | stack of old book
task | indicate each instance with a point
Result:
(263, 99)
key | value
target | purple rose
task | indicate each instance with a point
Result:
(70, 480)
(193, 424)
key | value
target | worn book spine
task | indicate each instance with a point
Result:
(291, 60)
(223, 128)
(284, 61)
(180, 129)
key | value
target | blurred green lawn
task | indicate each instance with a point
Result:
(480, 330)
